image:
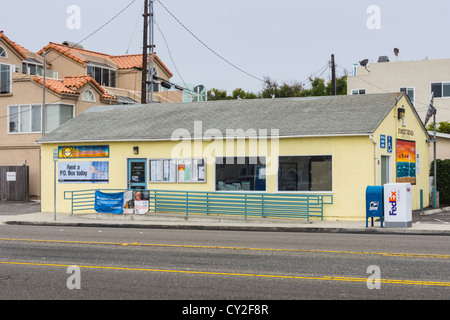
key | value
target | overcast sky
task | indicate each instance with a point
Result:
(286, 40)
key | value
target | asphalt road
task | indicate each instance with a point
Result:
(185, 265)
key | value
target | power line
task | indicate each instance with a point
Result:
(173, 62)
(105, 24)
(134, 30)
(206, 46)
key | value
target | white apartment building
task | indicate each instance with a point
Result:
(417, 78)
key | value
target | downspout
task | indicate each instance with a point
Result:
(376, 159)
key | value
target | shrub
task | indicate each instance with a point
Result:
(443, 180)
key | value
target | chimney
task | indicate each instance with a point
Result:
(396, 51)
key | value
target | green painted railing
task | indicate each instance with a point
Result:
(248, 204)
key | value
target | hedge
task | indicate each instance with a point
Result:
(443, 180)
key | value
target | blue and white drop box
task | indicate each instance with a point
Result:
(374, 203)
(397, 205)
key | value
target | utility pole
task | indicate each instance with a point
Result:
(147, 71)
(435, 170)
(333, 76)
(44, 75)
(152, 51)
(145, 55)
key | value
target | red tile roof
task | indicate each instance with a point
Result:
(55, 85)
(123, 61)
(19, 49)
(63, 50)
(71, 85)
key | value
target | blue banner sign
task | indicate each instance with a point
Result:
(109, 202)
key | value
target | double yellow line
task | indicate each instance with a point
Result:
(386, 254)
(324, 278)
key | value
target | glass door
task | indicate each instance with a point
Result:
(385, 170)
(137, 174)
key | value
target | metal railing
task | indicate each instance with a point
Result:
(247, 204)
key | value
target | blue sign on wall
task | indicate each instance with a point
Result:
(109, 202)
(382, 141)
(389, 144)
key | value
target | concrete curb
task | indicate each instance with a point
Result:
(266, 228)
(433, 211)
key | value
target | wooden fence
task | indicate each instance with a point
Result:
(14, 183)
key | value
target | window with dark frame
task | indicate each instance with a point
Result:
(5, 79)
(441, 89)
(305, 173)
(240, 174)
(103, 76)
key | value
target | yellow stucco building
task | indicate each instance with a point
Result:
(320, 145)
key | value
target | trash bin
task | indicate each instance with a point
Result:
(374, 203)
(397, 205)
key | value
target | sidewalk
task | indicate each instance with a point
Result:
(420, 225)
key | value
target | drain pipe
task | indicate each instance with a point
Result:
(376, 159)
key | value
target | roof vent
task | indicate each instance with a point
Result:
(72, 44)
(383, 59)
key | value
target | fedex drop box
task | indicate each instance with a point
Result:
(398, 205)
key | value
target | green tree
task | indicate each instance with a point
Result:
(271, 89)
(216, 94)
(443, 180)
(443, 127)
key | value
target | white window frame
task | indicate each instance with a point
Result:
(359, 90)
(11, 68)
(34, 64)
(20, 116)
(59, 103)
(408, 88)
(110, 72)
(442, 89)
(85, 92)
(307, 191)
(6, 53)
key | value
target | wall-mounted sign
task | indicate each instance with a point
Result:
(405, 132)
(83, 172)
(406, 161)
(389, 144)
(177, 170)
(11, 176)
(83, 151)
(382, 141)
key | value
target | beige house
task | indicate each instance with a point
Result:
(442, 146)
(418, 79)
(77, 79)
(119, 75)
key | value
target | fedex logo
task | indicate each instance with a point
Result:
(393, 203)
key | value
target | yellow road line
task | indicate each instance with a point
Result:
(386, 254)
(324, 278)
